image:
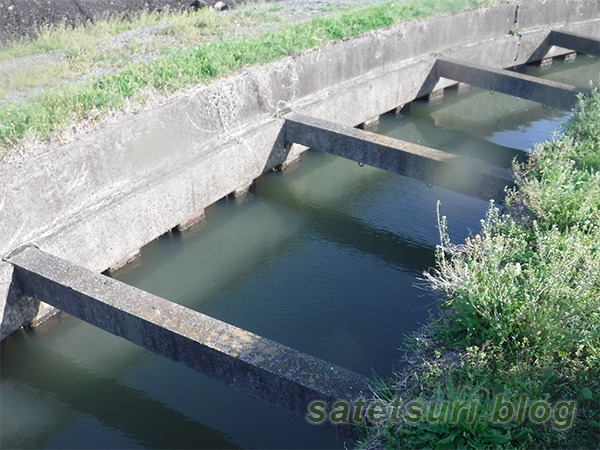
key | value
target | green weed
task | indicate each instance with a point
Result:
(39, 116)
(522, 305)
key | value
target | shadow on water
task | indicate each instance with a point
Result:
(296, 262)
(344, 229)
(324, 259)
(422, 129)
(142, 420)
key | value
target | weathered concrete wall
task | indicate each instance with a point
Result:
(103, 196)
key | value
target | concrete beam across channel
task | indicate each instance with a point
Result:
(576, 42)
(551, 93)
(265, 369)
(459, 173)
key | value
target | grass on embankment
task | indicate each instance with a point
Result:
(521, 312)
(41, 116)
(188, 26)
(62, 54)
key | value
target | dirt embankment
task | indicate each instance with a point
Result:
(22, 17)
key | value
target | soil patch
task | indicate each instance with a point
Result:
(19, 18)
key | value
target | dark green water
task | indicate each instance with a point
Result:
(325, 258)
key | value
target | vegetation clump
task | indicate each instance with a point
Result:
(521, 313)
(121, 81)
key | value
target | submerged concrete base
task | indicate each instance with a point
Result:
(370, 125)
(124, 261)
(44, 312)
(191, 221)
(242, 191)
(436, 96)
(265, 369)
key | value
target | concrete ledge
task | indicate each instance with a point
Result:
(124, 261)
(258, 366)
(462, 174)
(191, 221)
(536, 14)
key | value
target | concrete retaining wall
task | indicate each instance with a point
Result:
(103, 196)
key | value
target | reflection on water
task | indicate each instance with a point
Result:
(325, 259)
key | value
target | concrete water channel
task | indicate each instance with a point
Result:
(41, 262)
(323, 258)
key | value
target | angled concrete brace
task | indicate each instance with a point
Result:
(258, 366)
(548, 92)
(459, 173)
(577, 42)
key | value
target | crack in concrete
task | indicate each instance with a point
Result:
(515, 25)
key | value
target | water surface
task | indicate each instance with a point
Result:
(325, 258)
